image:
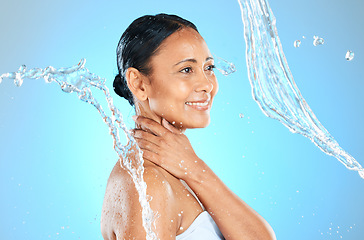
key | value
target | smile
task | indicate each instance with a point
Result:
(202, 104)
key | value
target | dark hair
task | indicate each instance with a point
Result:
(140, 42)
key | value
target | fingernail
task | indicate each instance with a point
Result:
(134, 117)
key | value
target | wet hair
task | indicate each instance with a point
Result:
(139, 42)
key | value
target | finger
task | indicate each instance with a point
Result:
(152, 157)
(141, 134)
(150, 125)
(170, 127)
(146, 145)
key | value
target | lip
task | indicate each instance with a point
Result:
(201, 105)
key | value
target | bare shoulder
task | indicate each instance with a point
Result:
(122, 214)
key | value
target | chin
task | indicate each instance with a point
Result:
(194, 125)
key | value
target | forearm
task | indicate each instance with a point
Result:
(235, 219)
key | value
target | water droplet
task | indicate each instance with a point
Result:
(224, 66)
(241, 115)
(67, 88)
(318, 41)
(22, 68)
(47, 79)
(297, 43)
(349, 55)
(18, 81)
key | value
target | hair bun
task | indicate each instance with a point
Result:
(121, 89)
(117, 85)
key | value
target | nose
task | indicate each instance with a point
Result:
(205, 82)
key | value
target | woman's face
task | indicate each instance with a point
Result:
(182, 84)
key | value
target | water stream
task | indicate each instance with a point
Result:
(273, 86)
(79, 80)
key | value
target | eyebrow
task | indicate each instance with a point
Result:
(192, 60)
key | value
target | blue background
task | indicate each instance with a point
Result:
(56, 153)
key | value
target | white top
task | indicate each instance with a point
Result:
(203, 227)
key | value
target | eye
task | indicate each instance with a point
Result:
(210, 67)
(186, 70)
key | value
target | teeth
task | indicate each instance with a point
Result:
(197, 103)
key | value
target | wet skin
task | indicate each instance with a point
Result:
(180, 90)
(177, 96)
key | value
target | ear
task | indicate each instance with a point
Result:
(136, 83)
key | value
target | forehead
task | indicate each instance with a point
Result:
(185, 43)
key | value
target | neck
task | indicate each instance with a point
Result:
(144, 111)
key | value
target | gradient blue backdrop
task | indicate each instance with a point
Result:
(56, 153)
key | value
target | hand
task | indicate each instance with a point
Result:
(167, 147)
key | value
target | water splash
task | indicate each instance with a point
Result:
(78, 79)
(224, 66)
(297, 43)
(273, 87)
(318, 41)
(349, 55)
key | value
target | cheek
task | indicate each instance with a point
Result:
(169, 101)
(174, 93)
(167, 92)
(162, 102)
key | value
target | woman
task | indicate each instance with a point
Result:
(166, 72)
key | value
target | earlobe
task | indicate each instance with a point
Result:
(136, 84)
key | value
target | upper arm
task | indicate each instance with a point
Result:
(123, 212)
